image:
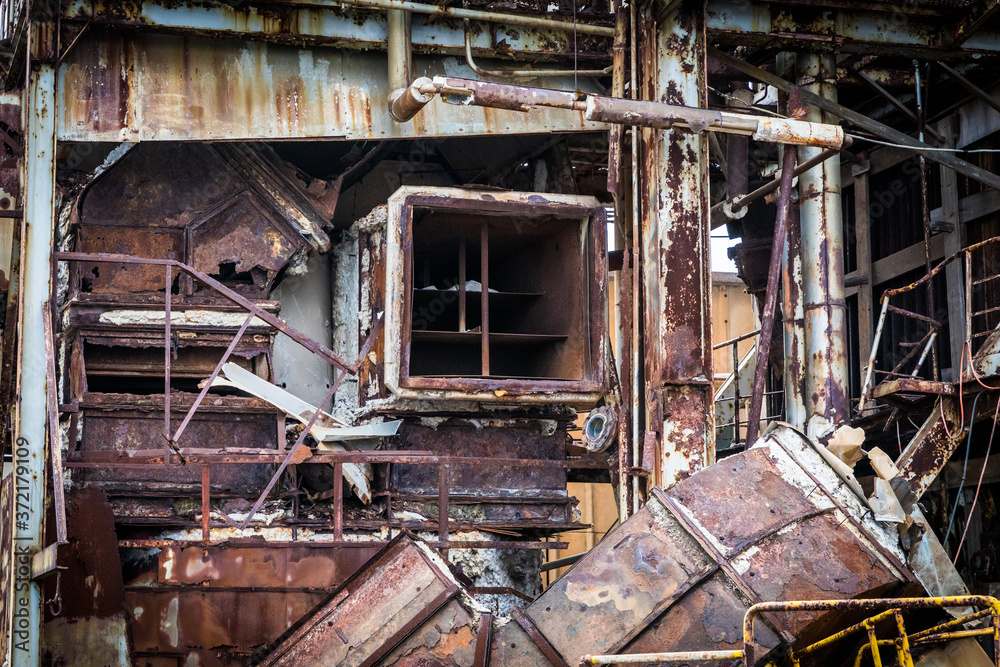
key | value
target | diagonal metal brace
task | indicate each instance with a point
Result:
(365, 349)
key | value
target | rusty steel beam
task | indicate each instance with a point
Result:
(145, 457)
(972, 21)
(31, 415)
(484, 637)
(675, 228)
(55, 437)
(343, 24)
(884, 29)
(770, 301)
(860, 120)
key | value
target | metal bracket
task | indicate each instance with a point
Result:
(46, 562)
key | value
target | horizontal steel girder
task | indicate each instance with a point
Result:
(898, 32)
(342, 26)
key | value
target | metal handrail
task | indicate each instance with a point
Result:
(892, 608)
(934, 326)
(175, 455)
(207, 457)
(737, 398)
(254, 310)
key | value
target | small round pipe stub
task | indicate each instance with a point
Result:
(600, 429)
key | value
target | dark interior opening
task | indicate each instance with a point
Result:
(537, 294)
(140, 370)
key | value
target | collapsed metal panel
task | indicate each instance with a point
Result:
(233, 212)
(772, 523)
(218, 605)
(403, 589)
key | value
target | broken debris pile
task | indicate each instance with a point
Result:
(776, 522)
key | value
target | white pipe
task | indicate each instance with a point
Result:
(677, 656)
(399, 49)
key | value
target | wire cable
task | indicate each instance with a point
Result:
(921, 148)
(965, 468)
(979, 484)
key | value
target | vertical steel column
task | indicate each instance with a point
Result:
(36, 275)
(675, 244)
(638, 406)
(791, 295)
(953, 242)
(826, 377)
(794, 314)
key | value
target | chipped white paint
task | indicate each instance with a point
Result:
(178, 317)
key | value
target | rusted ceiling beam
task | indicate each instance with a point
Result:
(352, 25)
(973, 20)
(944, 159)
(971, 87)
(896, 102)
(899, 32)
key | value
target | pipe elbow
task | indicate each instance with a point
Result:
(405, 103)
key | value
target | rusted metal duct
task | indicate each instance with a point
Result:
(406, 607)
(772, 523)
(826, 376)
(641, 113)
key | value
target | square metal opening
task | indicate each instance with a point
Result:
(498, 293)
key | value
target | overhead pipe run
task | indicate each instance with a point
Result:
(399, 48)
(406, 103)
(948, 160)
(473, 14)
(523, 73)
